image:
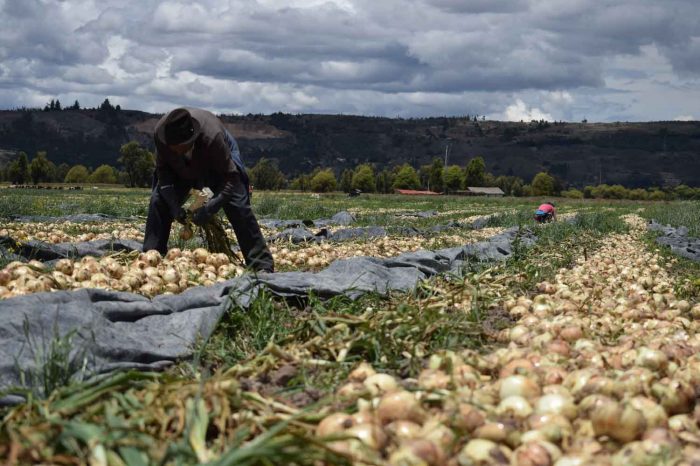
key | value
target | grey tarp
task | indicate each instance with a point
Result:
(678, 240)
(125, 330)
(342, 218)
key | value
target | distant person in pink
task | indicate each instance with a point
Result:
(546, 212)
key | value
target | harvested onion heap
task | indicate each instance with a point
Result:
(315, 255)
(64, 232)
(602, 367)
(149, 274)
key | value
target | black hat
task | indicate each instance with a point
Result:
(179, 128)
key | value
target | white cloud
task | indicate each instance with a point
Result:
(519, 111)
(685, 118)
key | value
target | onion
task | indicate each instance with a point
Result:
(433, 379)
(676, 396)
(467, 417)
(495, 431)
(514, 406)
(173, 254)
(654, 360)
(369, 434)
(537, 453)
(403, 429)
(553, 427)
(483, 452)
(152, 258)
(654, 414)
(417, 452)
(200, 255)
(82, 274)
(351, 391)
(62, 265)
(621, 422)
(114, 270)
(518, 385)
(378, 384)
(334, 424)
(517, 366)
(171, 275)
(556, 404)
(438, 433)
(399, 405)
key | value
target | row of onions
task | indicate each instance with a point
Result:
(150, 274)
(65, 232)
(602, 367)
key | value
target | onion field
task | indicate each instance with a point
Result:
(579, 346)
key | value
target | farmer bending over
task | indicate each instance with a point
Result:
(546, 212)
(194, 150)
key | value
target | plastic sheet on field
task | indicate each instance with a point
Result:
(124, 330)
(678, 240)
(342, 218)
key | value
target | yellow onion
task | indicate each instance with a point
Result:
(379, 384)
(518, 385)
(622, 422)
(417, 452)
(536, 453)
(433, 379)
(334, 424)
(399, 405)
(654, 360)
(369, 434)
(514, 406)
(483, 452)
(466, 417)
(152, 258)
(556, 404)
(64, 266)
(351, 390)
(403, 429)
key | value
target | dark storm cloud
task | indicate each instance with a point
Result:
(386, 57)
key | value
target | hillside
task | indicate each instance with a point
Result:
(633, 154)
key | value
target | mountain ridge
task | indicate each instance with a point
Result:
(633, 154)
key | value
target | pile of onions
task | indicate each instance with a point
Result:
(149, 274)
(65, 232)
(315, 255)
(602, 367)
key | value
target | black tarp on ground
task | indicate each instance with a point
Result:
(678, 240)
(125, 330)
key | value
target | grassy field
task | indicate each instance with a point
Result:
(288, 382)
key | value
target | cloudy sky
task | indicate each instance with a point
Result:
(604, 60)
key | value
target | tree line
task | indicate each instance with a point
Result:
(137, 165)
(436, 177)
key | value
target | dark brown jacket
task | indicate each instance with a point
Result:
(210, 163)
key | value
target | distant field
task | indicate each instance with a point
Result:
(121, 201)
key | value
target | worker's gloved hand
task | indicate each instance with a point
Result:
(201, 216)
(181, 216)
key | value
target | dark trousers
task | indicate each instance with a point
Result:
(238, 211)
